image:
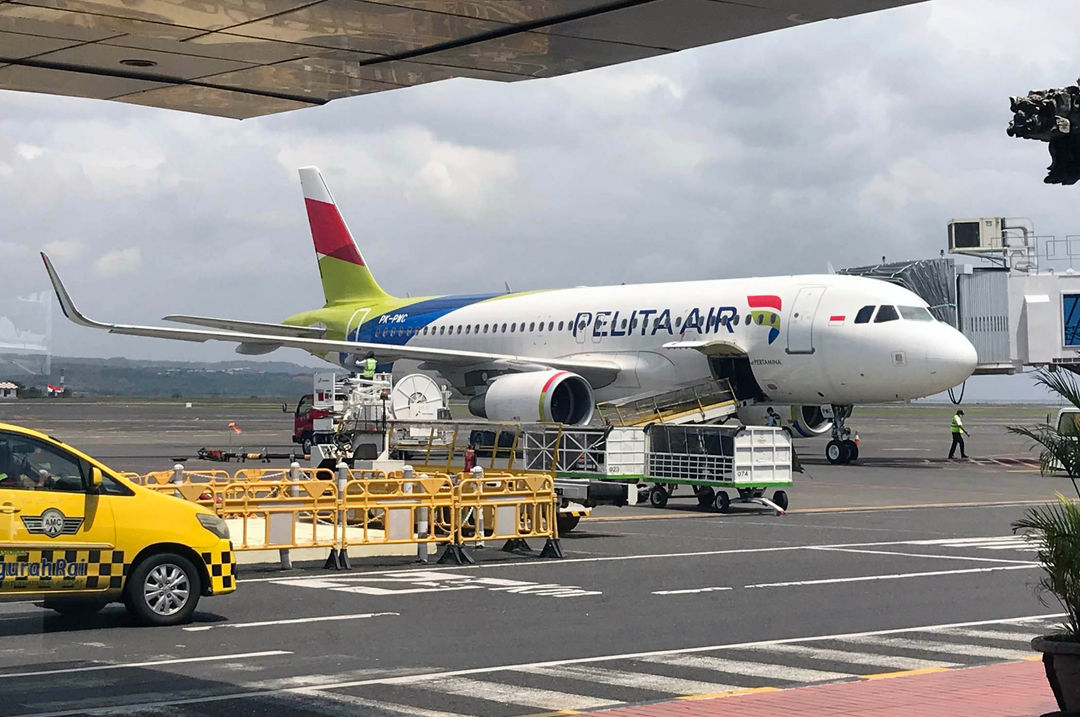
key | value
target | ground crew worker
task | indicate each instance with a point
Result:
(772, 417)
(470, 458)
(958, 433)
(369, 366)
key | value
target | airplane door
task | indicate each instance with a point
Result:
(800, 320)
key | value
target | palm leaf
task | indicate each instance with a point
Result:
(1055, 528)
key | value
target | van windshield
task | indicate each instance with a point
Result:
(1069, 424)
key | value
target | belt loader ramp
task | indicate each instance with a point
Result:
(704, 402)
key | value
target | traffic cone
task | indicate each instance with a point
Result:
(857, 438)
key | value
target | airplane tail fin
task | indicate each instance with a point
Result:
(345, 274)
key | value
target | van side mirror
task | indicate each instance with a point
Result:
(95, 479)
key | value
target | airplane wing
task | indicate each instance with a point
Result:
(245, 59)
(597, 372)
(249, 326)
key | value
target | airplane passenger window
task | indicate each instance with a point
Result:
(551, 326)
(886, 313)
(485, 328)
(678, 321)
(532, 326)
(623, 326)
(749, 318)
(916, 313)
(560, 326)
(863, 317)
(504, 328)
(467, 329)
(760, 318)
(476, 329)
(512, 327)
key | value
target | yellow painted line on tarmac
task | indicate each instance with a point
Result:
(904, 673)
(849, 509)
(730, 693)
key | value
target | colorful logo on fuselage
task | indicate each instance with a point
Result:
(765, 311)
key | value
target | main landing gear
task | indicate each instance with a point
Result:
(841, 449)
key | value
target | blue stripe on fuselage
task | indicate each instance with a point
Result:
(397, 327)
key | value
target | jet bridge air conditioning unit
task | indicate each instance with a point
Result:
(971, 236)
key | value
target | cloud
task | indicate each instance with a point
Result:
(119, 262)
(838, 141)
(64, 250)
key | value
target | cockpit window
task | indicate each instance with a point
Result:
(916, 313)
(886, 313)
(863, 317)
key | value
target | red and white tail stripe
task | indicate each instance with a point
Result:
(328, 230)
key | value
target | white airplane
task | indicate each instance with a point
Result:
(808, 341)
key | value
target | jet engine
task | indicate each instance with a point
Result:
(807, 421)
(558, 396)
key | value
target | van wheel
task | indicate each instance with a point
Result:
(163, 590)
(306, 444)
(76, 608)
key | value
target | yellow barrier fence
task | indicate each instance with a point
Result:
(292, 508)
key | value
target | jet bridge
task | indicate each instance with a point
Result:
(1018, 303)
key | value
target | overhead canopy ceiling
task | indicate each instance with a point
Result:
(245, 58)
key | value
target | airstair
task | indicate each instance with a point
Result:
(700, 403)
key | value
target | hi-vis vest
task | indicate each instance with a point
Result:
(957, 424)
(369, 367)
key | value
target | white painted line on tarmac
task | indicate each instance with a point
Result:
(926, 555)
(151, 663)
(292, 621)
(748, 669)
(950, 648)
(351, 702)
(857, 658)
(269, 691)
(893, 576)
(1004, 635)
(602, 559)
(514, 694)
(689, 591)
(635, 680)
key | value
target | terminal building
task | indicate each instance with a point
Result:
(1019, 304)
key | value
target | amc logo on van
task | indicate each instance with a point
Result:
(51, 523)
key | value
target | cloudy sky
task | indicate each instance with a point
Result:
(837, 142)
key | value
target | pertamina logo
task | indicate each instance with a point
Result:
(765, 311)
(51, 523)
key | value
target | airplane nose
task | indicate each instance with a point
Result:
(952, 359)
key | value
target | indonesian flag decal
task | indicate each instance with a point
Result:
(765, 311)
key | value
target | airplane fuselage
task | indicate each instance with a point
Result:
(797, 332)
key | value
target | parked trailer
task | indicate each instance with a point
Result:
(711, 460)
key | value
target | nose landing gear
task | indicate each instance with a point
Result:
(841, 449)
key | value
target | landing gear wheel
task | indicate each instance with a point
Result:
(567, 522)
(852, 451)
(658, 496)
(163, 590)
(705, 495)
(836, 452)
(780, 498)
(722, 502)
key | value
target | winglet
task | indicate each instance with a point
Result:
(66, 304)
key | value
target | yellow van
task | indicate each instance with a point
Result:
(78, 536)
